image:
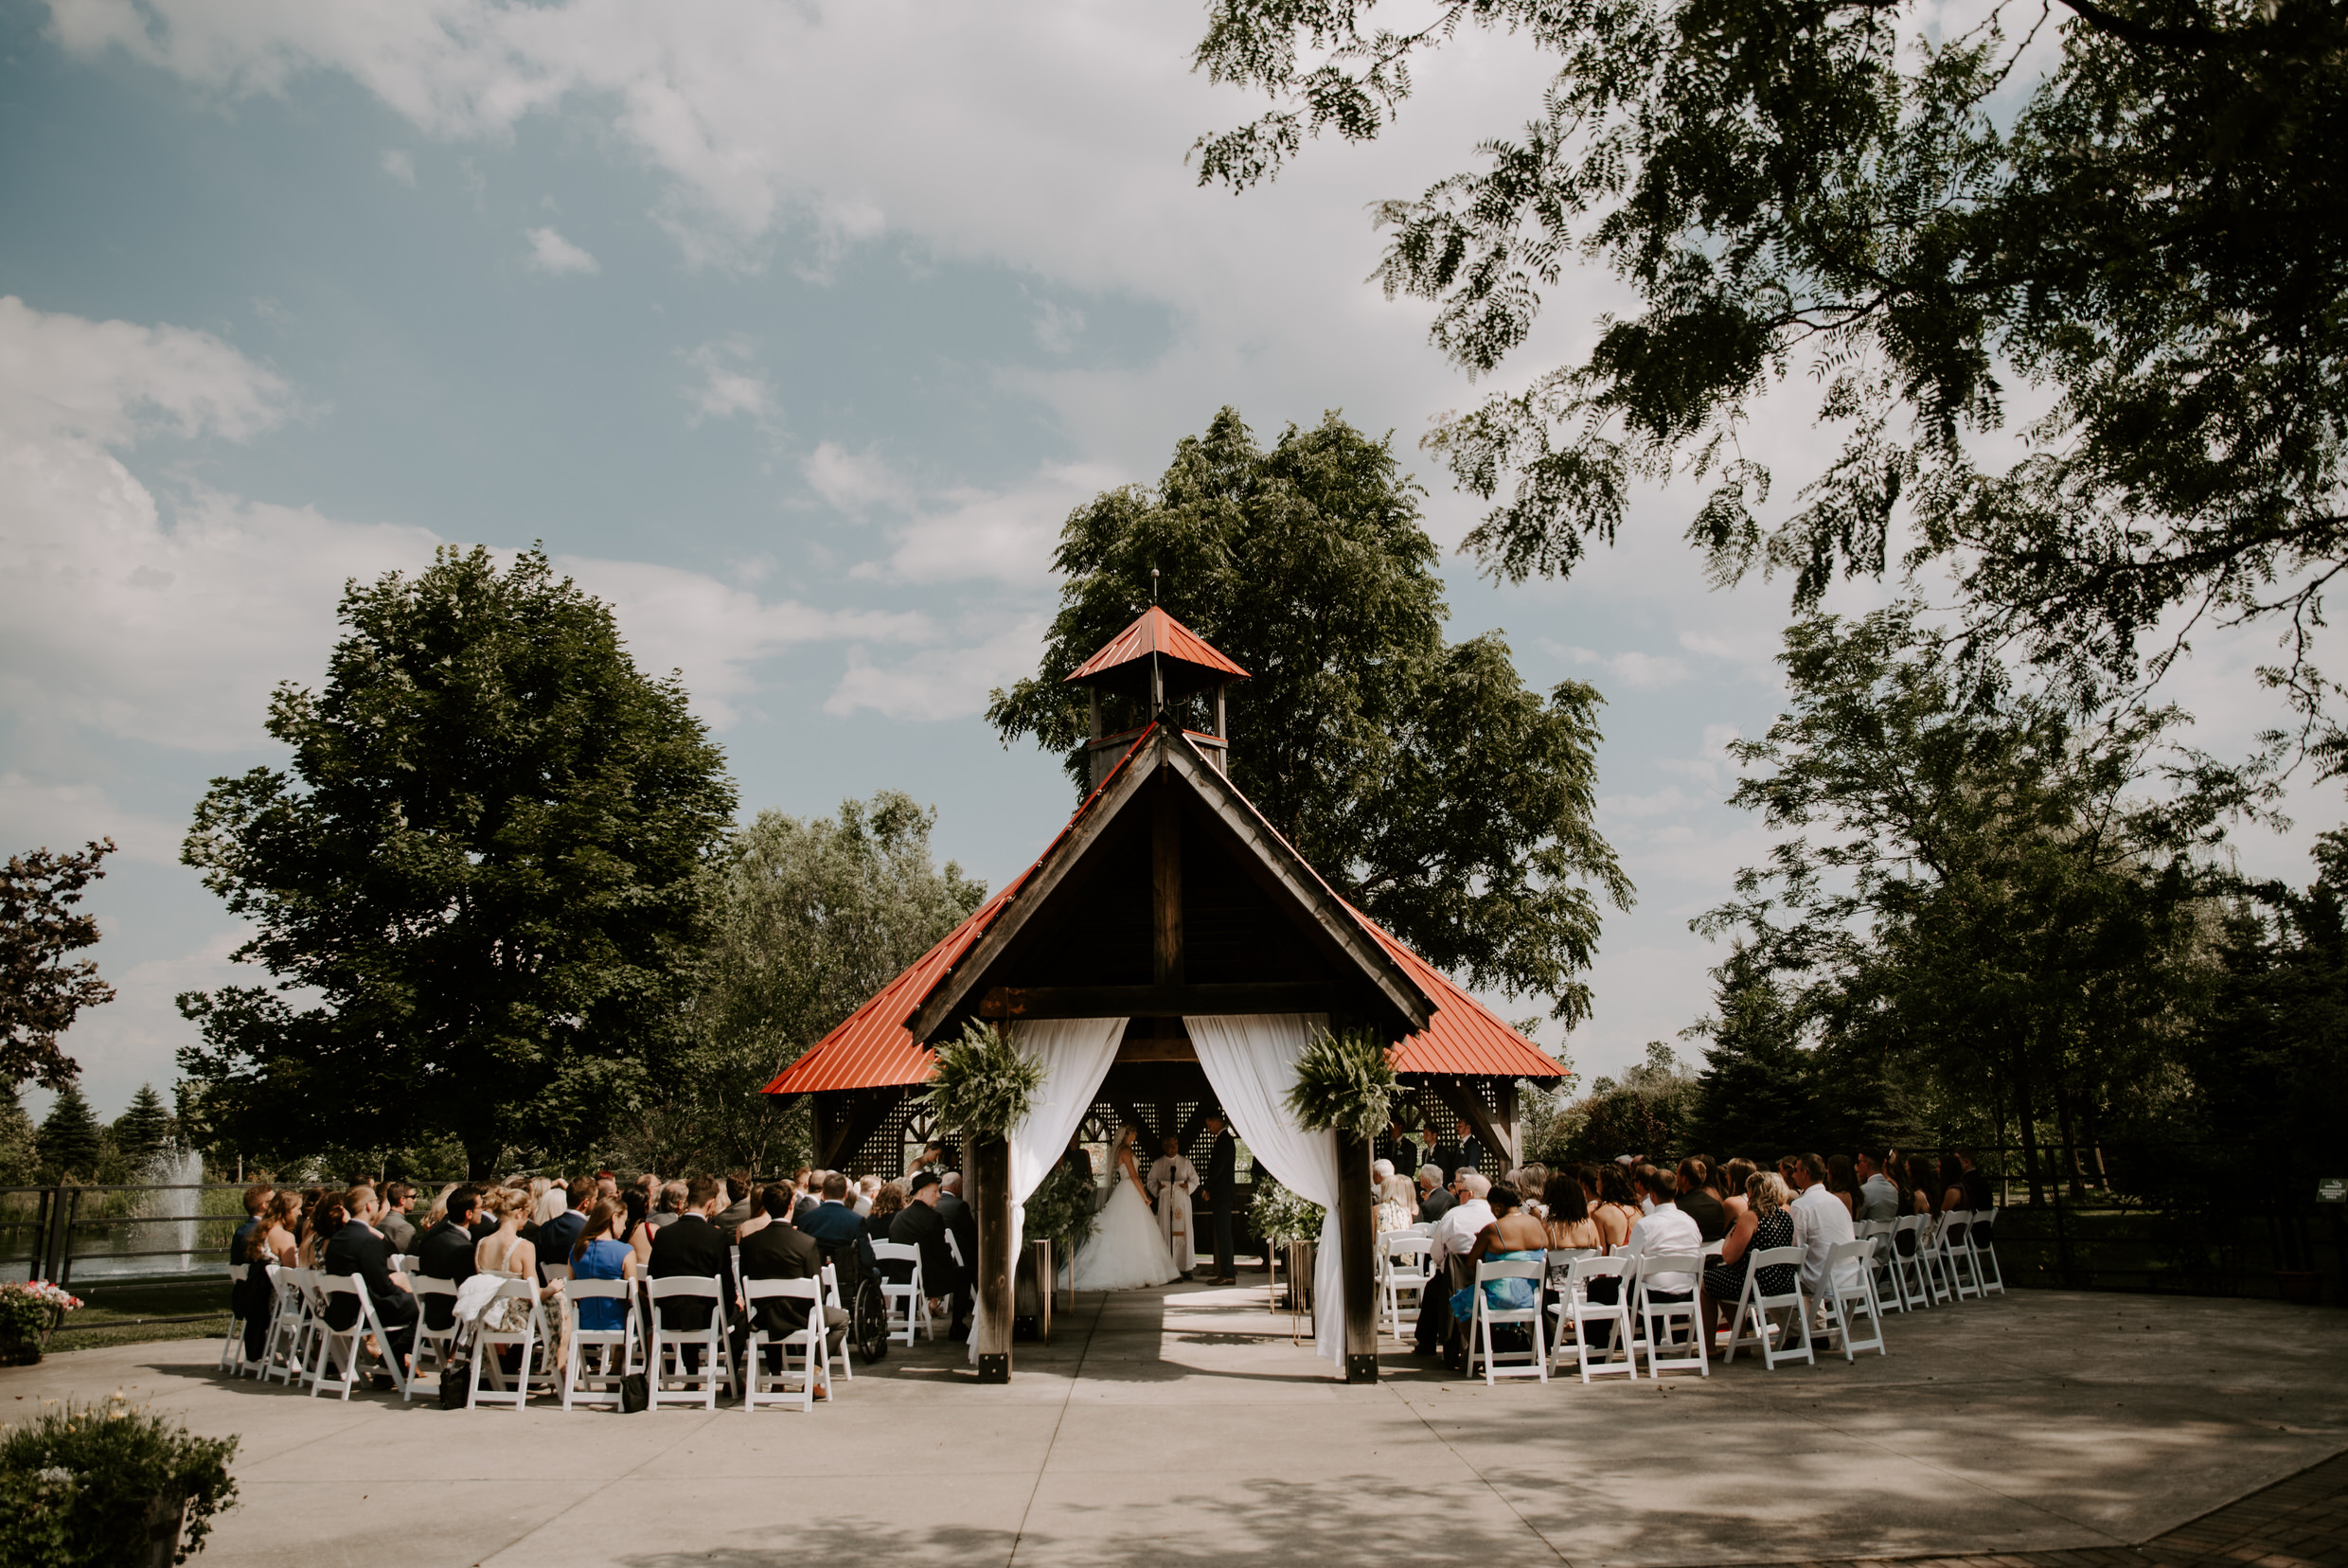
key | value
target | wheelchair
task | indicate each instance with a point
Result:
(860, 1292)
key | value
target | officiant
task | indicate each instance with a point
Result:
(1172, 1180)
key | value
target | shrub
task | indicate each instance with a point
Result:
(77, 1485)
(1061, 1208)
(984, 1084)
(1278, 1214)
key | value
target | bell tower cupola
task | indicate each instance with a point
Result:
(1155, 664)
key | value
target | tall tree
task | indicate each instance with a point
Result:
(1420, 776)
(2142, 224)
(143, 1129)
(72, 1143)
(814, 915)
(41, 991)
(489, 864)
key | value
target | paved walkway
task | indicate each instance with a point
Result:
(1181, 1427)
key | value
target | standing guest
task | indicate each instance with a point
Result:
(398, 1199)
(1843, 1182)
(1171, 1181)
(1569, 1224)
(958, 1218)
(1666, 1229)
(780, 1250)
(1076, 1158)
(920, 1224)
(1444, 1154)
(1400, 1146)
(1434, 1201)
(1977, 1196)
(1617, 1208)
(932, 1159)
(447, 1253)
(358, 1249)
(887, 1204)
(1697, 1200)
(599, 1254)
(1221, 1192)
(693, 1249)
(1765, 1223)
(1819, 1221)
(1879, 1195)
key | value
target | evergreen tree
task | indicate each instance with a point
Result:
(142, 1131)
(72, 1143)
(20, 1150)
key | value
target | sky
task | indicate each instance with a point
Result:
(792, 330)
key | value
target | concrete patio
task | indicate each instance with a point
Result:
(1183, 1427)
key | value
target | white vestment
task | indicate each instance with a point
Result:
(1172, 1180)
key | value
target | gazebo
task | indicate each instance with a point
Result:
(1169, 951)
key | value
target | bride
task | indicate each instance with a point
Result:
(1126, 1251)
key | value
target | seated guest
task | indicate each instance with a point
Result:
(271, 1241)
(1765, 1223)
(1617, 1207)
(1532, 1182)
(447, 1253)
(780, 1250)
(1979, 1196)
(1434, 1201)
(1513, 1237)
(671, 1205)
(1454, 1237)
(1696, 1200)
(1733, 1176)
(959, 1218)
(1879, 1195)
(1567, 1224)
(1664, 1229)
(359, 1249)
(1398, 1202)
(1917, 1185)
(831, 1224)
(737, 1205)
(599, 1254)
(867, 1188)
(1842, 1183)
(887, 1204)
(920, 1224)
(635, 1215)
(398, 1229)
(693, 1249)
(243, 1297)
(1819, 1221)
(1951, 1186)
(560, 1231)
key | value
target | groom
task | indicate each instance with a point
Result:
(1220, 1189)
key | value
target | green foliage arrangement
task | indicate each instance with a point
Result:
(1062, 1209)
(1280, 1216)
(983, 1083)
(1346, 1084)
(481, 888)
(82, 1485)
(1423, 778)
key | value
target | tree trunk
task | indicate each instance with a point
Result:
(2071, 1142)
(990, 1163)
(2026, 1114)
(1357, 1259)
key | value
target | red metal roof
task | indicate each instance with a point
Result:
(1157, 633)
(873, 1049)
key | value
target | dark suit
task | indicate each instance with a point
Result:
(692, 1248)
(1709, 1214)
(831, 1225)
(557, 1237)
(1434, 1207)
(778, 1250)
(1222, 1191)
(964, 1224)
(920, 1225)
(445, 1253)
(1445, 1156)
(357, 1250)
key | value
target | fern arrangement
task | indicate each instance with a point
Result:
(1344, 1084)
(983, 1083)
(1280, 1216)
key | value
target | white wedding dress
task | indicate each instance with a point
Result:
(1125, 1251)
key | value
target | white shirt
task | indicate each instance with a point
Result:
(1879, 1198)
(864, 1208)
(1819, 1221)
(1456, 1231)
(1173, 1170)
(1667, 1230)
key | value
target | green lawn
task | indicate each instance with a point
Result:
(111, 1313)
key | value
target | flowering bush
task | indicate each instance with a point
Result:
(1278, 1214)
(28, 1306)
(98, 1484)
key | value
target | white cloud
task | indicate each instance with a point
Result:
(551, 252)
(1059, 327)
(1639, 671)
(1006, 535)
(944, 683)
(401, 167)
(59, 815)
(730, 382)
(852, 481)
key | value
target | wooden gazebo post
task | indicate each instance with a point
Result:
(1357, 1262)
(990, 1173)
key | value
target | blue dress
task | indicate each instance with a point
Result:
(602, 1260)
(1502, 1295)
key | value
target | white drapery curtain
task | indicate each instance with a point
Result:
(1251, 1063)
(1076, 1053)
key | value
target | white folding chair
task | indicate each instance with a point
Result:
(1912, 1272)
(434, 1347)
(600, 1382)
(1955, 1257)
(282, 1353)
(1881, 1263)
(1982, 1238)
(535, 1376)
(555, 1271)
(1403, 1259)
(830, 1277)
(1484, 1315)
(232, 1348)
(1850, 1294)
(698, 1387)
(350, 1345)
(403, 1263)
(1935, 1267)
(312, 1330)
(908, 1305)
(1657, 1320)
(814, 1368)
(1756, 1303)
(1575, 1310)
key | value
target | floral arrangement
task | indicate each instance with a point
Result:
(29, 1307)
(1061, 1208)
(1280, 1216)
(984, 1084)
(101, 1484)
(1346, 1084)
